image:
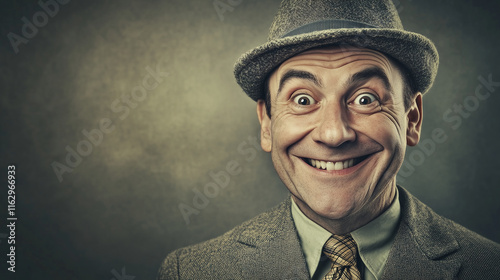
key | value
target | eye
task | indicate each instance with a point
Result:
(365, 99)
(365, 103)
(304, 100)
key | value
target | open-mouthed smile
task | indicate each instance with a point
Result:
(334, 165)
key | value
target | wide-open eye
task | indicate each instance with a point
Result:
(365, 103)
(304, 100)
(365, 99)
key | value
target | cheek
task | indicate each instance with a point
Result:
(381, 128)
(289, 129)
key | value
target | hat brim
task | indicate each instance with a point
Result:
(413, 50)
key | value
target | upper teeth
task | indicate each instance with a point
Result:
(329, 165)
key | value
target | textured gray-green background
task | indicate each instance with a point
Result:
(119, 207)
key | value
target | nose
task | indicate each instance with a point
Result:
(333, 127)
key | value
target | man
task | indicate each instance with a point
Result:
(339, 90)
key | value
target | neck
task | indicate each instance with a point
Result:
(355, 220)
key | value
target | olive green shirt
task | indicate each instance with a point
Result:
(374, 241)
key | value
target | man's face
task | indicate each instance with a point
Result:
(338, 131)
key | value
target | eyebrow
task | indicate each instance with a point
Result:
(298, 74)
(355, 80)
(365, 75)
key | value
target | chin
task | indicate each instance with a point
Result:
(334, 212)
(330, 208)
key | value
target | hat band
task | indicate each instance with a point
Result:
(327, 24)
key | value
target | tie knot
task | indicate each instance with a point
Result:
(341, 250)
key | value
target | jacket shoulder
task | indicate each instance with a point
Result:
(440, 238)
(218, 258)
(480, 257)
(185, 262)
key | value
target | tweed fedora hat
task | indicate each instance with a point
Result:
(304, 24)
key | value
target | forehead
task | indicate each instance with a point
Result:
(338, 63)
(336, 57)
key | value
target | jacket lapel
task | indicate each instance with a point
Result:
(421, 244)
(271, 248)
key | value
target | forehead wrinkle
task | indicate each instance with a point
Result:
(334, 62)
(340, 50)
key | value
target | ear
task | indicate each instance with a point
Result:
(414, 118)
(265, 126)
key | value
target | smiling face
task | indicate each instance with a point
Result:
(338, 133)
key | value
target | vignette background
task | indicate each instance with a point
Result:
(118, 212)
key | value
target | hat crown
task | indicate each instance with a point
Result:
(293, 14)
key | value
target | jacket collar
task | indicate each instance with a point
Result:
(422, 243)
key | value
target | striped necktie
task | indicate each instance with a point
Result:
(342, 251)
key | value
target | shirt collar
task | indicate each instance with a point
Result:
(312, 237)
(374, 239)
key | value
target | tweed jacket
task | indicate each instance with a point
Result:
(427, 246)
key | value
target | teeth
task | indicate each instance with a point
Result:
(329, 165)
(339, 165)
